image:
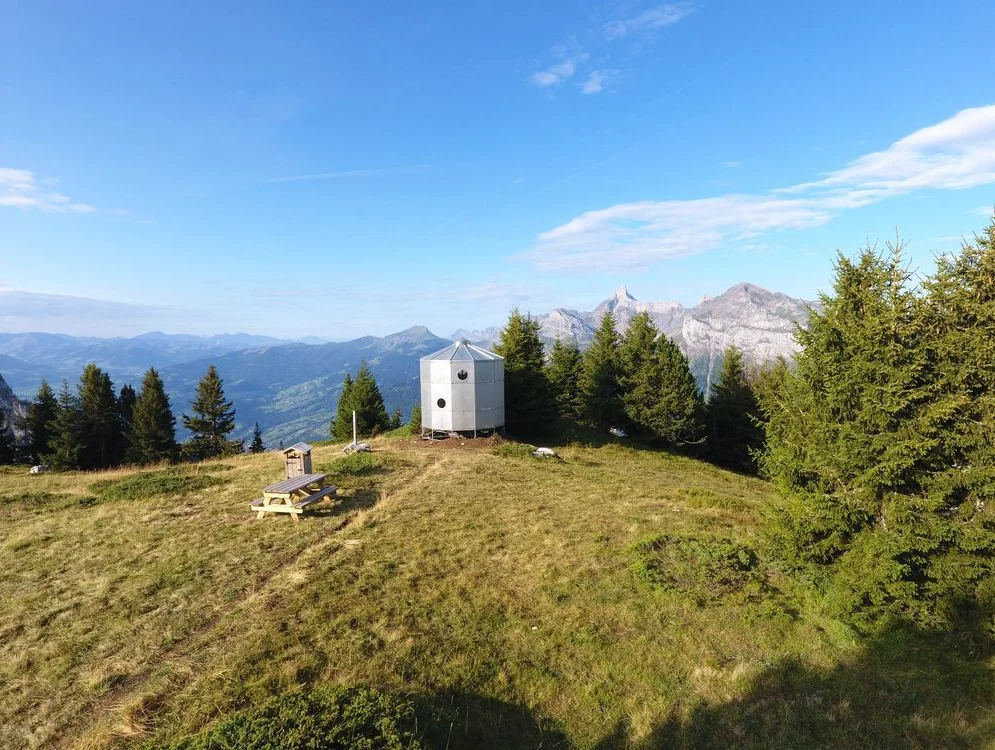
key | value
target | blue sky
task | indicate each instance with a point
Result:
(342, 169)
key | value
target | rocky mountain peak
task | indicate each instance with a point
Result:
(622, 295)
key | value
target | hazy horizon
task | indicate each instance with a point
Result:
(345, 170)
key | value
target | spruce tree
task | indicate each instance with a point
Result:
(880, 441)
(363, 396)
(153, 426)
(213, 419)
(257, 446)
(675, 416)
(600, 391)
(341, 427)
(8, 450)
(65, 432)
(100, 425)
(396, 419)
(126, 398)
(529, 406)
(415, 422)
(733, 416)
(563, 373)
(39, 421)
(638, 372)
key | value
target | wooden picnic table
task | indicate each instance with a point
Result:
(293, 495)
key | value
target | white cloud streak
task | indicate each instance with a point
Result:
(561, 71)
(954, 154)
(649, 20)
(596, 81)
(19, 188)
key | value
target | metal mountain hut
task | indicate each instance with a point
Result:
(462, 390)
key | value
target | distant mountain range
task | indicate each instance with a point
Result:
(291, 388)
(760, 322)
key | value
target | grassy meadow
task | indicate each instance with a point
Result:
(615, 597)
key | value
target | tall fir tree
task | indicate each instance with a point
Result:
(257, 445)
(152, 435)
(563, 373)
(211, 422)
(341, 427)
(676, 416)
(39, 421)
(126, 398)
(8, 450)
(65, 433)
(600, 390)
(733, 416)
(529, 406)
(100, 425)
(887, 480)
(415, 422)
(363, 396)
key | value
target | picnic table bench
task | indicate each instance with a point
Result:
(292, 495)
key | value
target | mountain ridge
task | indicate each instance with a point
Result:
(291, 388)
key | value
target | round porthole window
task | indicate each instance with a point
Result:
(441, 403)
(461, 375)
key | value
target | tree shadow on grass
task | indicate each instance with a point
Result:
(457, 720)
(355, 500)
(907, 689)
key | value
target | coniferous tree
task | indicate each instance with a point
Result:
(638, 372)
(676, 416)
(8, 450)
(600, 391)
(65, 433)
(875, 442)
(363, 396)
(563, 373)
(257, 445)
(38, 422)
(153, 426)
(126, 398)
(213, 419)
(415, 422)
(733, 416)
(341, 427)
(529, 406)
(100, 426)
(396, 419)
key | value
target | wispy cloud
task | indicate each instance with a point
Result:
(954, 154)
(985, 211)
(730, 164)
(348, 173)
(562, 70)
(19, 188)
(595, 82)
(649, 20)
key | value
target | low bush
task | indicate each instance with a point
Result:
(515, 450)
(153, 484)
(702, 568)
(355, 465)
(321, 719)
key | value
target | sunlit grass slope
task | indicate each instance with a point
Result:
(613, 598)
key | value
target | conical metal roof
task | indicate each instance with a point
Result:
(462, 351)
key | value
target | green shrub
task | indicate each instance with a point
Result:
(321, 719)
(515, 450)
(702, 568)
(153, 484)
(355, 465)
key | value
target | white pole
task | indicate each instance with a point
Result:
(354, 428)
